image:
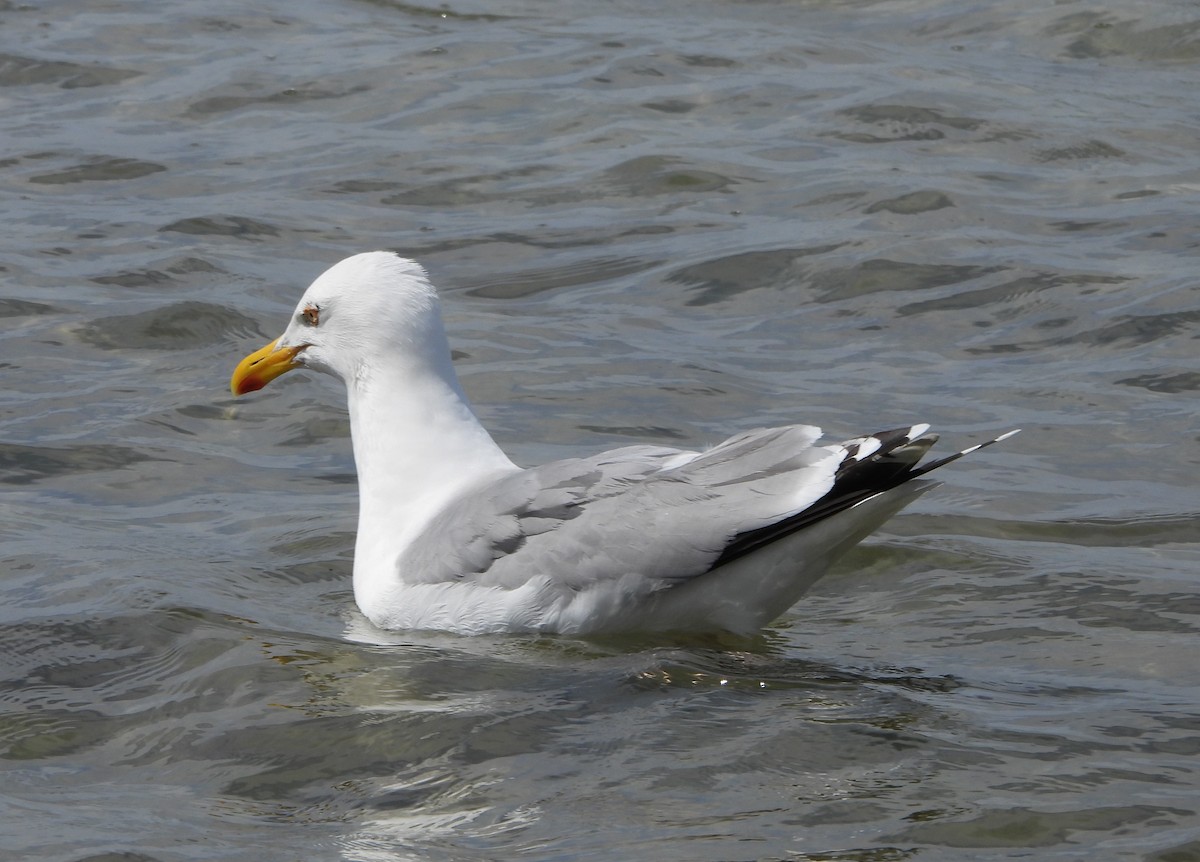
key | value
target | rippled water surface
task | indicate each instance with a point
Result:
(652, 223)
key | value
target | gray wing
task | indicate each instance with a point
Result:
(663, 514)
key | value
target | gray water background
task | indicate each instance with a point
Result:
(652, 223)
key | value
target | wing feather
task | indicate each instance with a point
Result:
(656, 513)
(664, 516)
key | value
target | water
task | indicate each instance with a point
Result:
(652, 222)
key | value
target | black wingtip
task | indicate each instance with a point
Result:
(872, 465)
(933, 465)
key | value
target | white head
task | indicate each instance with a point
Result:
(367, 307)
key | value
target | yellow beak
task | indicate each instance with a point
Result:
(262, 366)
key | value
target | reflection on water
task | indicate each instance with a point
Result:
(663, 223)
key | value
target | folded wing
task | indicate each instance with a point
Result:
(665, 515)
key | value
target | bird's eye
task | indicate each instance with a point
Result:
(312, 315)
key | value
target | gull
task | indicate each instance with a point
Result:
(453, 536)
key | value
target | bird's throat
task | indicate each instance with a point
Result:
(417, 444)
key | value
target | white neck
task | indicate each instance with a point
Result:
(416, 444)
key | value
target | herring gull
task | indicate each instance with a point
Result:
(452, 535)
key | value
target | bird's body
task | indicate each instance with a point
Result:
(453, 536)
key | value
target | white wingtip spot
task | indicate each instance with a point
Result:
(868, 446)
